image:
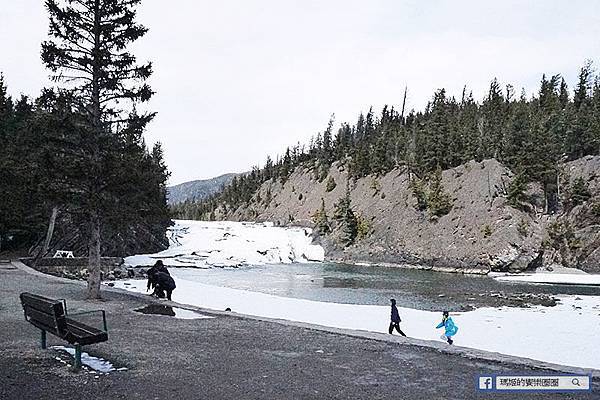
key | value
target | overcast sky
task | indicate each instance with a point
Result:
(239, 80)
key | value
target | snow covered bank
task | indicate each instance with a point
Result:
(565, 334)
(552, 278)
(202, 244)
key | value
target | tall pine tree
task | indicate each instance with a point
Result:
(87, 52)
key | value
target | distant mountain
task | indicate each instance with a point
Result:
(197, 190)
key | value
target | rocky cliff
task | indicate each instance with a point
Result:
(481, 232)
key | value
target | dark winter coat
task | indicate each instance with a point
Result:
(151, 275)
(164, 281)
(395, 315)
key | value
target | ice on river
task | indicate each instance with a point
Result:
(202, 244)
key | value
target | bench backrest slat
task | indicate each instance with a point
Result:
(40, 303)
(46, 312)
(47, 320)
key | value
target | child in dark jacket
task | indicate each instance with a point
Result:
(395, 319)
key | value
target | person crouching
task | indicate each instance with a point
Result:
(164, 284)
(160, 280)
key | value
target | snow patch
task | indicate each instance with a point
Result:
(181, 313)
(95, 363)
(552, 278)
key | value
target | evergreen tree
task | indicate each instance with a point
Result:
(580, 138)
(321, 220)
(418, 189)
(579, 193)
(439, 202)
(88, 53)
(346, 219)
(493, 113)
(433, 141)
(516, 191)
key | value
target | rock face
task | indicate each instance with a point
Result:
(197, 190)
(482, 232)
(573, 236)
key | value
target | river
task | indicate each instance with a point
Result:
(375, 285)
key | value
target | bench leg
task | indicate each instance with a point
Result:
(77, 366)
(43, 340)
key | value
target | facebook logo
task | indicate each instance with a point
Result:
(486, 383)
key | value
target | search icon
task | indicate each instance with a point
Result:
(575, 382)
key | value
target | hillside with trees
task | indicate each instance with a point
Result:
(525, 146)
(197, 190)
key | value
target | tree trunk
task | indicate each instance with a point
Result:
(49, 234)
(93, 288)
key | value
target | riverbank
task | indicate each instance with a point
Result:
(232, 356)
(523, 332)
(423, 267)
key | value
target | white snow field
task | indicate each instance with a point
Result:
(567, 334)
(553, 278)
(202, 244)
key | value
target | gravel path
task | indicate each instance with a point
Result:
(225, 357)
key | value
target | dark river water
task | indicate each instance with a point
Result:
(340, 283)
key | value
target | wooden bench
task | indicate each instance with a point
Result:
(51, 316)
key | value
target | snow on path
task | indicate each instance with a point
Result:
(202, 244)
(96, 363)
(567, 334)
(552, 278)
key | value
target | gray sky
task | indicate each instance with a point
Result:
(239, 80)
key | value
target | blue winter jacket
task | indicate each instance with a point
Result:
(395, 315)
(451, 329)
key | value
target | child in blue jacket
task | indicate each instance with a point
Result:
(448, 324)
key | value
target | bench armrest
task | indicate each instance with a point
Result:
(92, 312)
